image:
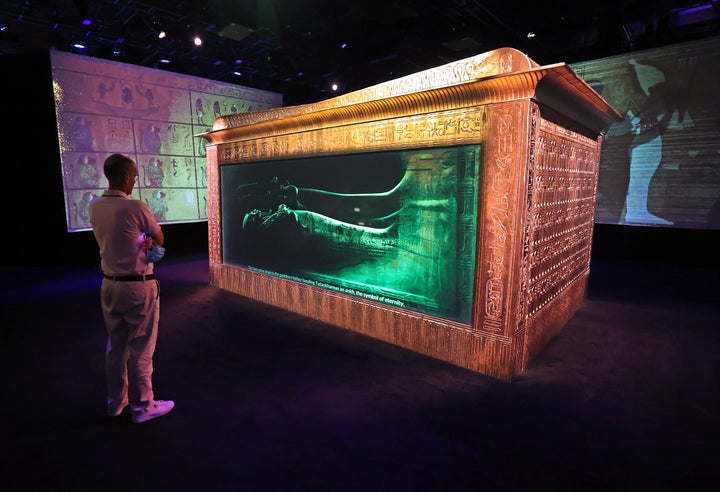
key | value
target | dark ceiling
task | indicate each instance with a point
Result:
(295, 47)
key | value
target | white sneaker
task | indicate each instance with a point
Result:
(157, 409)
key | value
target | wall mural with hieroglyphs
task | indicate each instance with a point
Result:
(660, 165)
(153, 116)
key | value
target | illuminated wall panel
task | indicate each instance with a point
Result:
(151, 115)
(660, 165)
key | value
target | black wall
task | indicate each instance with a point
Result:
(34, 212)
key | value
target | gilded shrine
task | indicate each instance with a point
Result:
(449, 212)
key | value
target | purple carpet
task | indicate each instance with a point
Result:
(625, 398)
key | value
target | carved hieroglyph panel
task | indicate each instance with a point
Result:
(432, 129)
(563, 205)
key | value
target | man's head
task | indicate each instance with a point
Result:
(121, 173)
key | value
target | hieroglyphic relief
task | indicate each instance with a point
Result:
(527, 247)
(153, 116)
(565, 182)
(498, 194)
(415, 130)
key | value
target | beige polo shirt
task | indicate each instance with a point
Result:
(119, 225)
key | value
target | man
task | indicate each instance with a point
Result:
(126, 231)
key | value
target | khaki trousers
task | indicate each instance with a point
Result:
(132, 313)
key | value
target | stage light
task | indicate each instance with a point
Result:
(86, 22)
(530, 35)
(334, 87)
(343, 46)
(239, 74)
(161, 35)
(164, 60)
(117, 48)
(197, 41)
(78, 46)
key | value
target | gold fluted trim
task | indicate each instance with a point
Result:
(502, 60)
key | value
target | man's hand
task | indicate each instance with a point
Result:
(149, 242)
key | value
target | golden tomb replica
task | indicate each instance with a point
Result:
(449, 212)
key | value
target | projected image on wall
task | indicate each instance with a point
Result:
(661, 165)
(153, 116)
(395, 227)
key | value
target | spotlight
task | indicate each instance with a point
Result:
(530, 35)
(117, 49)
(161, 35)
(197, 41)
(86, 22)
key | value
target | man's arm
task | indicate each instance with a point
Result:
(159, 238)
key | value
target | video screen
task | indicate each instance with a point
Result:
(660, 166)
(396, 227)
(153, 116)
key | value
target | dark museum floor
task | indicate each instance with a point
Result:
(625, 398)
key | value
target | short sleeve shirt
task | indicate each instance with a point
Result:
(119, 224)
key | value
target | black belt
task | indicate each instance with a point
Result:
(129, 278)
